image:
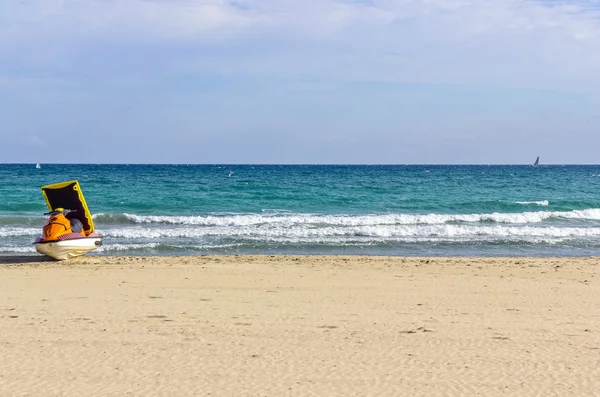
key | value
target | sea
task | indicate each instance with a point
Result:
(398, 210)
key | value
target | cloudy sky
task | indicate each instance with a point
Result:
(300, 81)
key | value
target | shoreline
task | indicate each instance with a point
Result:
(300, 325)
(89, 259)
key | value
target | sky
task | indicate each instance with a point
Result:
(300, 81)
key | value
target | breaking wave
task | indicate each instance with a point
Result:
(543, 203)
(291, 219)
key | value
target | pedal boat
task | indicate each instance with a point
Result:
(68, 245)
(69, 230)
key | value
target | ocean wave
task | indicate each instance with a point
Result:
(157, 240)
(543, 203)
(18, 250)
(382, 232)
(290, 220)
(22, 220)
(127, 247)
(17, 232)
(119, 247)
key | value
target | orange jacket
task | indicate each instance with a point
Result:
(56, 226)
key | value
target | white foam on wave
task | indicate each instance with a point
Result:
(126, 247)
(290, 220)
(19, 231)
(383, 232)
(543, 203)
(18, 250)
(146, 246)
(151, 237)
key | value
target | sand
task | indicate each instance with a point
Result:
(300, 326)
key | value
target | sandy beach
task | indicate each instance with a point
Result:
(299, 326)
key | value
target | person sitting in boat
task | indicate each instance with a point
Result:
(76, 225)
(58, 224)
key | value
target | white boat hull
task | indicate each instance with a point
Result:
(67, 249)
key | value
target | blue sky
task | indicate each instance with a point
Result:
(300, 81)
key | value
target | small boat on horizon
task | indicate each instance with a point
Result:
(38, 165)
(537, 161)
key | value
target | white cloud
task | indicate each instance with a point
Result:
(542, 43)
(195, 19)
(202, 18)
(96, 18)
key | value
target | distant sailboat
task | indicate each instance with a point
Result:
(37, 165)
(536, 162)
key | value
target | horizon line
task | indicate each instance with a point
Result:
(313, 164)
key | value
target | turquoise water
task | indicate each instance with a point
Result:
(317, 209)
